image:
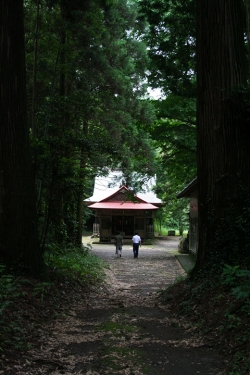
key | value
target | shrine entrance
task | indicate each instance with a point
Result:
(123, 224)
(116, 214)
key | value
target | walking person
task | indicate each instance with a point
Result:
(136, 241)
(118, 244)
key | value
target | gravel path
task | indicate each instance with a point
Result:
(122, 329)
(155, 268)
(135, 334)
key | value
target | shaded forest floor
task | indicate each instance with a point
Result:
(125, 325)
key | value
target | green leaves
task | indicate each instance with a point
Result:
(171, 40)
(229, 275)
(78, 263)
(85, 84)
(174, 138)
(8, 287)
(233, 276)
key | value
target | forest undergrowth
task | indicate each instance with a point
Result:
(27, 304)
(216, 307)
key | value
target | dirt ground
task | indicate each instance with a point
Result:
(122, 328)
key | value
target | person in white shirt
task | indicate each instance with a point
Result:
(136, 241)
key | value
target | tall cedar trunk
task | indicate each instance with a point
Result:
(80, 201)
(84, 156)
(57, 192)
(222, 135)
(19, 243)
(34, 88)
(247, 5)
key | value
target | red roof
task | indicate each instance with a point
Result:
(123, 206)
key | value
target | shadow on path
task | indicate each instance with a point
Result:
(133, 333)
(123, 329)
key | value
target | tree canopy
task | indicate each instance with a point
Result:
(85, 79)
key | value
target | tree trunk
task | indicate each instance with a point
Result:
(247, 5)
(84, 156)
(19, 243)
(222, 140)
(34, 88)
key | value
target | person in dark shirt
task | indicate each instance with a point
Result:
(118, 244)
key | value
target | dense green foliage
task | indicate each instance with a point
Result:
(174, 137)
(88, 112)
(86, 66)
(87, 71)
(80, 263)
(170, 36)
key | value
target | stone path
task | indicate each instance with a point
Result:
(122, 329)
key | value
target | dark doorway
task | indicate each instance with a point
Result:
(124, 224)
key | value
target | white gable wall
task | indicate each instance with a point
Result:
(108, 185)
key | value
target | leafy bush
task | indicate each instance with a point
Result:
(76, 262)
(9, 333)
(229, 275)
(8, 288)
(238, 279)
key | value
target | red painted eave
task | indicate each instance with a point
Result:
(123, 206)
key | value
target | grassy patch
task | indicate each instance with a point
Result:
(78, 263)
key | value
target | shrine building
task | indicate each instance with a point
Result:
(117, 209)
